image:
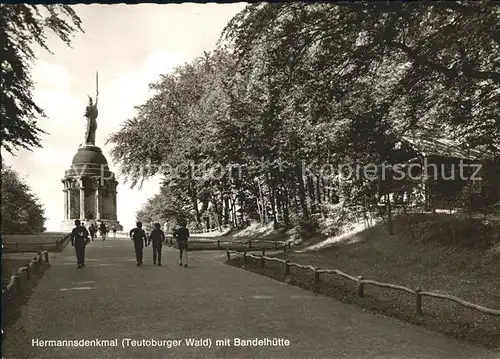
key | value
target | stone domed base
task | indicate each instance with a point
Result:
(90, 189)
(89, 161)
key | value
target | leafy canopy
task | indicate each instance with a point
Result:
(22, 27)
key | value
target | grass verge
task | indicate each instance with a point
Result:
(470, 274)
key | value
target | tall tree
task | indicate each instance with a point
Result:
(22, 212)
(294, 87)
(22, 27)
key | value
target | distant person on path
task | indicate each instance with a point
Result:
(157, 237)
(140, 240)
(79, 240)
(103, 230)
(114, 231)
(182, 235)
(93, 231)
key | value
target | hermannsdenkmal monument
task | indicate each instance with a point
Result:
(89, 184)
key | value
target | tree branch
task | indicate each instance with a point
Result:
(450, 73)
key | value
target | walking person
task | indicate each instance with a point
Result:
(103, 230)
(114, 231)
(182, 236)
(79, 240)
(157, 237)
(140, 240)
(93, 231)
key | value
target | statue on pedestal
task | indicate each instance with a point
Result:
(91, 114)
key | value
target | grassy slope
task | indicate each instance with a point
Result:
(473, 275)
(9, 268)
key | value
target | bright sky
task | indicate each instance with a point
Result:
(130, 46)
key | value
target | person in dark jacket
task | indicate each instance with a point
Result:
(182, 236)
(157, 237)
(138, 235)
(93, 231)
(79, 240)
(104, 230)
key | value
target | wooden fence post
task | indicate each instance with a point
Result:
(17, 283)
(360, 286)
(218, 244)
(228, 256)
(418, 302)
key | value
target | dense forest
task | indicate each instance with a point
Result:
(251, 130)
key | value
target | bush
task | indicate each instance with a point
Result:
(302, 228)
(339, 219)
(465, 232)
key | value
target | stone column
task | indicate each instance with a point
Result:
(82, 199)
(70, 193)
(97, 198)
(115, 215)
(66, 191)
(114, 205)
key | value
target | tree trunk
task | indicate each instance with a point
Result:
(261, 207)
(233, 212)
(312, 195)
(286, 206)
(218, 213)
(241, 198)
(226, 209)
(302, 194)
(318, 196)
(389, 215)
(279, 203)
(194, 200)
(273, 200)
(323, 185)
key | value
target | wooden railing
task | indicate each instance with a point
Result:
(25, 275)
(361, 282)
(201, 231)
(252, 244)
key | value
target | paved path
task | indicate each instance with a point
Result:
(113, 299)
